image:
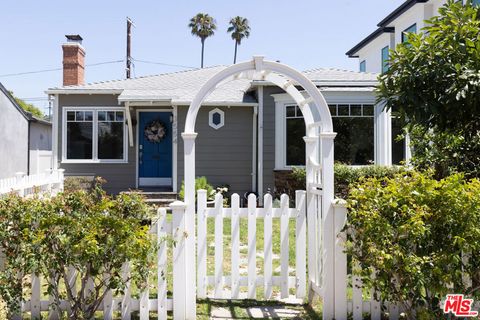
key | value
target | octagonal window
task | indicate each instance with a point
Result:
(216, 118)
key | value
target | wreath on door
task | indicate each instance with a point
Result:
(155, 131)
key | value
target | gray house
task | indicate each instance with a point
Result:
(250, 133)
(26, 140)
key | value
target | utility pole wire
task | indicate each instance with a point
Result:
(165, 64)
(56, 69)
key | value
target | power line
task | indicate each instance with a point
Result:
(56, 69)
(164, 64)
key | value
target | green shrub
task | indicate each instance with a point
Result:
(201, 183)
(92, 233)
(412, 230)
(345, 176)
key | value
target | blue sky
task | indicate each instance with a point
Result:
(304, 34)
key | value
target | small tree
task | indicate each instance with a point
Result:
(202, 26)
(239, 29)
(97, 237)
(434, 84)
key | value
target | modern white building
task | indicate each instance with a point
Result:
(373, 53)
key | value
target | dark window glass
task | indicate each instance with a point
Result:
(356, 110)
(363, 66)
(398, 142)
(333, 109)
(79, 140)
(70, 115)
(110, 115)
(291, 111)
(343, 110)
(354, 141)
(411, 29)
(295, 144)
(216, 118)
(79, 116)
(368, 110)
(385, 57)
(102, 115)
(110, 140)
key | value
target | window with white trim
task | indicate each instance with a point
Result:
(94, 135)
(354, 143)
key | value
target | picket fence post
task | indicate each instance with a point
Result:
(340, 217)
(19, 183)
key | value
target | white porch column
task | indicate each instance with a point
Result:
(383, 136)
(189, 198)
(260, 145)
(129, 123)
(328, 235)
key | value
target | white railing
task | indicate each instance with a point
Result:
(49, 182)
(128, 303)
(357, 305)
(220, 284)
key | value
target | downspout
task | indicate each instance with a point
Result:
(254, 149)
(29, 121)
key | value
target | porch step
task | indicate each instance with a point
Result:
(157, 198)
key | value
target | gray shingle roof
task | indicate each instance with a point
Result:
(181, 87)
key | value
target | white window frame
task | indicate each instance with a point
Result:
(210, 118)
(94, 159)
(283, 100)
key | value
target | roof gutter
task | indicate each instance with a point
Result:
(399, 11)
(84, 91)
(352, 53)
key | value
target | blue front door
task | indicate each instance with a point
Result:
(155, 149)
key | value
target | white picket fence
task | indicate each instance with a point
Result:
(228, 286)
(362, 302)
(48, 182)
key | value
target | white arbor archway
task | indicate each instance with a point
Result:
(319, 168)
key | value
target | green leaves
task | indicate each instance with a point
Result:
(433, 79)
(92, 233)
(414, 231)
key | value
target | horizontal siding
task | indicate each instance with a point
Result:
(224, 156)
(119, 176)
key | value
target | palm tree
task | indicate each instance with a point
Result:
(240, 29)
(203, 26)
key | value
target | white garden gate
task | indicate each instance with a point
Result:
(319, 194)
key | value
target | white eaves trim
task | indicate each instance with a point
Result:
(84, 91)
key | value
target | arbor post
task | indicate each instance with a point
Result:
(189, 198)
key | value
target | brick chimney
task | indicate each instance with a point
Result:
(73, 61)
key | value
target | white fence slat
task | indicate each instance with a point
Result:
(108, 302)
(340, 217)
(235, 221)
(162, 264)
(375, 307)
(393, 310)
(144, 305)
(312, 240)
(35, 298)
(126, 299)
(357, 299)
(284, 234)
(252, 246)
(300, 245)
(201, 244)
(179, 261)
(218, 247)
(53, 312)
(267, 247)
